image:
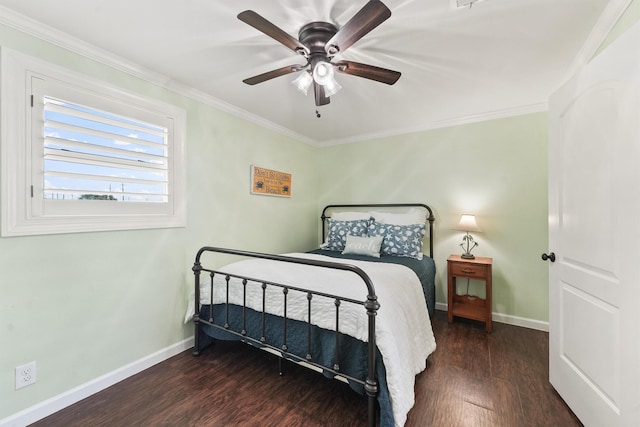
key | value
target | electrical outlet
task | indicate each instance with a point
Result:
(25, 374)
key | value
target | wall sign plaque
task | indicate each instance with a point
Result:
(269, 182)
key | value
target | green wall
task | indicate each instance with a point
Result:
(495, 169)
(84, 305)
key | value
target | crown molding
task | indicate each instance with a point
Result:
(445, 123)
(65, 41)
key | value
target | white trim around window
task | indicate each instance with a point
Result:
(81, 155)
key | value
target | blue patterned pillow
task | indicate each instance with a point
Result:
(400, 240)
(339, 230)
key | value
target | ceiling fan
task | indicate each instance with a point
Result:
(318, 42)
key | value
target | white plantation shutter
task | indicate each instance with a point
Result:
(93, 155)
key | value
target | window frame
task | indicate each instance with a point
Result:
(24, 210)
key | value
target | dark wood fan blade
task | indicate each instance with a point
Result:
(321, 98)
(370, 72)
(369, 17)
(273, 74)
(261, 24)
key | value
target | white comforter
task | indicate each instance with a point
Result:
(403, 329)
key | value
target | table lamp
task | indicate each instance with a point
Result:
(468, 223)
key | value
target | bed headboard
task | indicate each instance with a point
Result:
(430, 217)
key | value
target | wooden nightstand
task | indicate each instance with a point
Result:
(467, 306)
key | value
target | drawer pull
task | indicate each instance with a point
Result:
(468, 270)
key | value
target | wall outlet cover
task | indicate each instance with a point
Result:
(25, 375)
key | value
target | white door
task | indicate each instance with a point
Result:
(594, 232)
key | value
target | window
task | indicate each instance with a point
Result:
(81, 155)
(92, 155)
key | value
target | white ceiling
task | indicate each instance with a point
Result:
(497, 58)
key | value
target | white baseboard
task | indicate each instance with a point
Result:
(510, 320)
(56, 403)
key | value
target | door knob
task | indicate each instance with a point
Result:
(551, 257)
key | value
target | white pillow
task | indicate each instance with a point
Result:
(412, 216)
(350, 216)
(369, 246)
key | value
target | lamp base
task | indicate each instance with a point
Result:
(467, 256)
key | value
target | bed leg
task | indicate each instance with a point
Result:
(280, 367)
(196, 336)
(197, 268)
(371, 413)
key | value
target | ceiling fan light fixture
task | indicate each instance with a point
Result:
(323, 73)
(303, 82)
(331, 87)
(319, 42)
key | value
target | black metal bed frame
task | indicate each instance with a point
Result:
(370, 304)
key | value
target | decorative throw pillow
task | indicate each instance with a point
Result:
(339, 230)
(399, 240)
(369, 246)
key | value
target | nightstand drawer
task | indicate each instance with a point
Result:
(473, 271)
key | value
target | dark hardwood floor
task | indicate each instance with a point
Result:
(472, 379)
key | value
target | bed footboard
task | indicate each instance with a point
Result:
(370, 304)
